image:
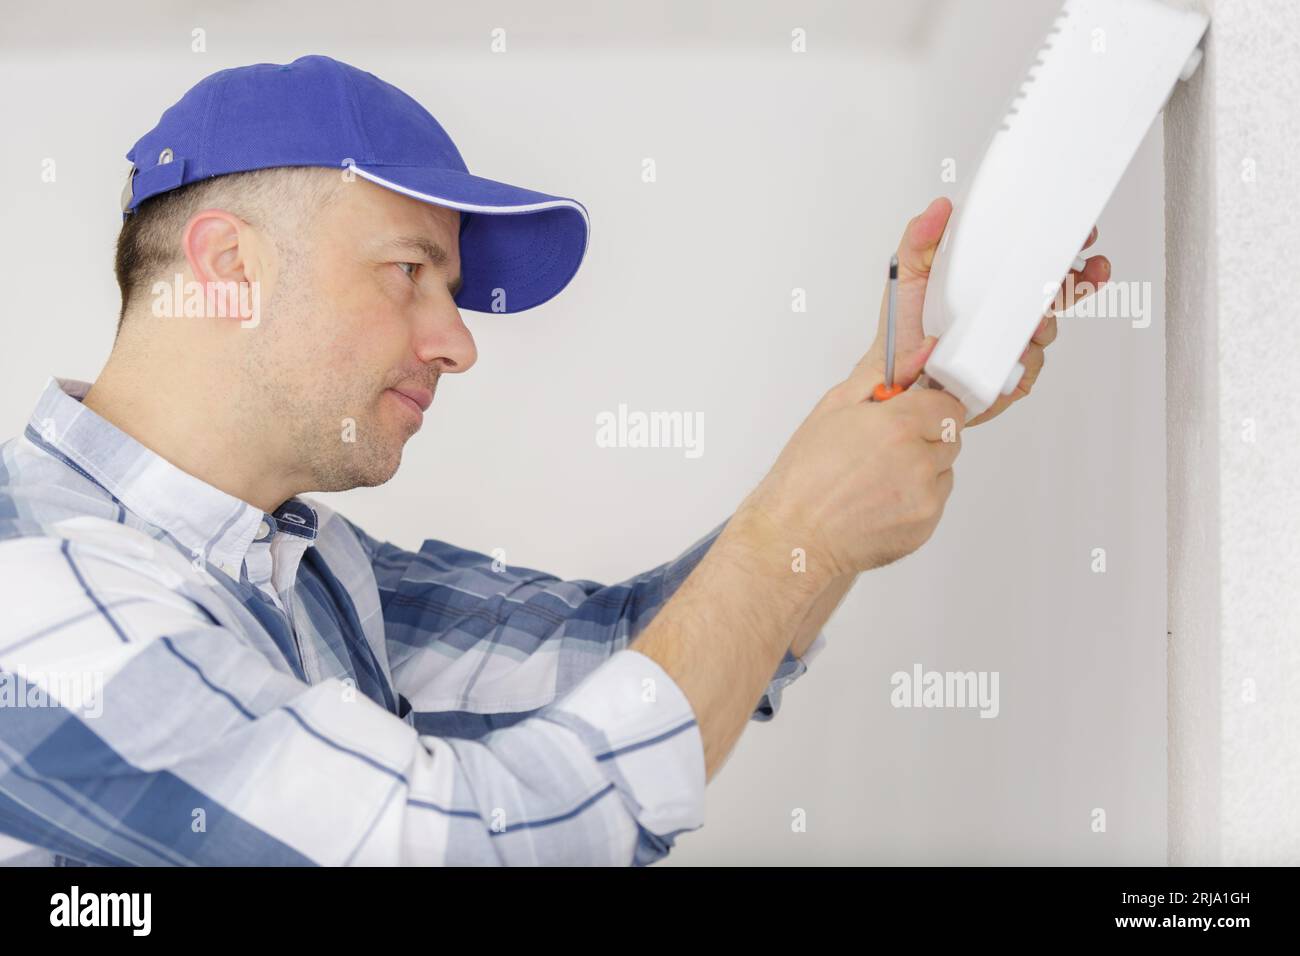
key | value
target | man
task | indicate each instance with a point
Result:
(202, 666)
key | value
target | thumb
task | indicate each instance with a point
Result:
(870, 372)
(909, 365)
(921, 238)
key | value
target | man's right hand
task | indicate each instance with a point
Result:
(860, 484)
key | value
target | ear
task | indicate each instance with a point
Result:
(224, 255)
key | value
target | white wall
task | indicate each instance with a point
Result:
(776, 171)
(1234, 410)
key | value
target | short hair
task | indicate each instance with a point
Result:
(282, 200)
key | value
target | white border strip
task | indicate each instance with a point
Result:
(470, 207)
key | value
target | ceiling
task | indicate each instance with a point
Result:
(551, 26)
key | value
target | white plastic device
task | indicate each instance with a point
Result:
(1105, 72)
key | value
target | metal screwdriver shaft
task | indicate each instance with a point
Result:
(891, 321)
(888, 390)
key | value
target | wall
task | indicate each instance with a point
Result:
(1233, 241)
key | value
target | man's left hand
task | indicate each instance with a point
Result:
(915, 254)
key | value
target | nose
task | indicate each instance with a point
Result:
(441, 336)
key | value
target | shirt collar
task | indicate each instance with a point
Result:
(216, 527)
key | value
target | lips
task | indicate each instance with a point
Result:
(420, 396)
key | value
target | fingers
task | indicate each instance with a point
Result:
(1095, 271)
(1045, 334)
(1081, 283)
(943, 484)
(944, 453)
(939, 416)
(1033, 360)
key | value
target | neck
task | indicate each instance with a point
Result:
(173, 412)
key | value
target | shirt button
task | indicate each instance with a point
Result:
(263, 530)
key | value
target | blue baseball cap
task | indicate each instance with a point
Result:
(518, 247)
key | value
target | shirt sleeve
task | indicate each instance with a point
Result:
(137, 731)
(475, 644)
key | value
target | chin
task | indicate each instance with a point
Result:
(382, 472)
(376, 468)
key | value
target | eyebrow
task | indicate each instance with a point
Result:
(433, 253)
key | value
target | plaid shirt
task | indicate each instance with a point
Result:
(185, 679)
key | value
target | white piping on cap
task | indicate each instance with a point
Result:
(471, 207)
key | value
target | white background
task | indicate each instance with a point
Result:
(775, 170)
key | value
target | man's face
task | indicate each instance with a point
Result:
(363, 324)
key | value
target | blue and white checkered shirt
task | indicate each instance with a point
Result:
(185, 679)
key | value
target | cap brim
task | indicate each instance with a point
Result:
(518, 248)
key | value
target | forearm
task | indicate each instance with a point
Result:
(820, 613)
(728, 626)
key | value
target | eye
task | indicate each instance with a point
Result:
(414, 266)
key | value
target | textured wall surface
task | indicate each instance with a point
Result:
(1233, 244)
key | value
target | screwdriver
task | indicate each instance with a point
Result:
(888, 390)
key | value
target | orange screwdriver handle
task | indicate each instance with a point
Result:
(884, 393)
